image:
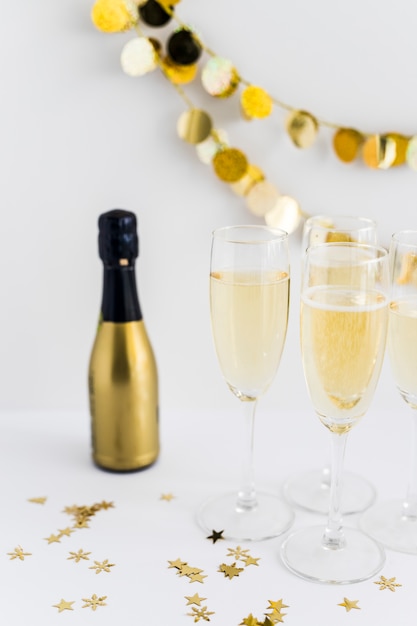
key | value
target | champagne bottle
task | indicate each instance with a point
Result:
(123, 384)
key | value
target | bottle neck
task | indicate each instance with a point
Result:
(120, 301)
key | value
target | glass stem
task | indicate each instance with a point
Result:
(410, 504)
(246, 497)
(334, 537)
(325, 478)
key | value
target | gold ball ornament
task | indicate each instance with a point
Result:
(114, 16)
(411, 154)
(253, 175)
(379, 152)
(219, 77)
(286, 214)
(262, 197)
(230, 165)
(178, 74)
(139, 57)
(194, 126)
(347, 143)
(255, 103)
(302, 128)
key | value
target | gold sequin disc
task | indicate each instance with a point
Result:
(138, 57)
(262, 197)
(114, 16)
(286, 214)
(206, 149)
(244, 185)
(194, 126)
(401, 144)
(219, 77)
(255, 102)
(230, 165)
(346, 144)
(379, 152)
(302, 127)
(411, 155)
(179, 74)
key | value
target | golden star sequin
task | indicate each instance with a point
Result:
(53, 539)
(167, 497)
(64, 606)
(79, 556)
(349, 604)
(230, 571)
(94, 602)
(65, 532)
(195, 599)
(237, 553)
(387, 583)
(250, 620)
(103, 566)
(18, 553)
(250, 560)
(199, 614)
(194, 574)
(40, 500)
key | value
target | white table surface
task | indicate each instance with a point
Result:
(47, 454)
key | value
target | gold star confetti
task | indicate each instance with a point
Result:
(196, 578)
(41, 500)
(216, 535)
(65, 532)
(78, 556)
(94, 602)
(349, 604)
(250, 620)
(102, 567)
(167, 497)
(274, 617)
(249, 560)
(183, 569)
(178, 564)
(202, 613)
(64, 606)
(18, 553)
(387, 583)
(237, 553)
(230, 571)
(106, 505)
(195, 599)
(277, 605)
(53, 539)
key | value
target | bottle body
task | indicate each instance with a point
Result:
(123, 388)
(122, 378)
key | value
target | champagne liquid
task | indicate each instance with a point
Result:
(249, 314)
(402, 346)
(343, 339)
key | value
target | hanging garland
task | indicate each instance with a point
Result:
(220, 79)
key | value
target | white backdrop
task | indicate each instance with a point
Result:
(79, 137)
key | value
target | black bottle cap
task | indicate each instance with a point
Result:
(117, 239)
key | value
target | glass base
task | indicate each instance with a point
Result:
(308, 491)
(386, 523)
(304, 554)
(270, 518)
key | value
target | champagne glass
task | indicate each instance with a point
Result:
(249, 299)
(310, 489)
(344, 317)
(394, 523)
